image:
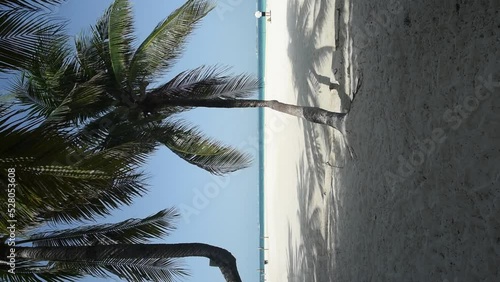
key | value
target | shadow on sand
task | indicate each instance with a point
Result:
(309, 259)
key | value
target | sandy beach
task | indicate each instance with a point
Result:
(420, 199)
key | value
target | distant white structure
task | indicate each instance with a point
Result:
(260, 14)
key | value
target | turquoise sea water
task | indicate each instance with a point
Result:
(261, 55)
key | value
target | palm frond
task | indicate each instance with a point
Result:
(11, 121)
(93, 201)
(92, 48)
(29, 271)
(120, 31)
(209, 83)
(121, 129)
(64, 171)
(47, 198)
(29, 4)
(84, 101)
(182, 139)
(124, 155)
(191, 145)
(98, 181)
(131, 231)
(50, 78)
(95, 132)
(53, 173)
(20, 138)
(131, 269)
(93, 59)
(22, 27)
(27, 95)
(159, 51)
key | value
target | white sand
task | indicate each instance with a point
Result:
(440, 220)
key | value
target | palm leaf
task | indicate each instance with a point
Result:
(189, 143)
(28, 271)
(131, 269)
(53, 173)
(95, 132)
(182, 139)
(45, 84)
(125, 155)
(164, 45)
(92, 48)
(27, 95)
(83, 102)
(131, 231)
(20, 138)
(22, 27)
(53, 88)
(64, 171)
(208, 83)
(96, 192)
(29, 4)
(113, 131)
(93, 201)
(120, 31)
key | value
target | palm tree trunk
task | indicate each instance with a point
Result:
(312, 114)
(218, 256)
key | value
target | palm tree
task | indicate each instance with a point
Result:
(129, 104)
(23, 25)
(103, 250)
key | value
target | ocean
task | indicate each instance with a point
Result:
(261, 55)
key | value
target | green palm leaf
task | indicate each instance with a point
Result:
(95, 133)
(27, 95)
(93, 201)
(22, 27)
(120, 30)
(29, 271)
(53, 172)
(83, 102)
(92, 48)
(192, 146)
(131, 269)
(131, 231)
(164, 45)
(29, 4)
(45, 84)
(127, 269)
(208, 83)
(97, 192)
(133, 131)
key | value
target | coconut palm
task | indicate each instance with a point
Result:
(104, 250)
(48, 85)
(58, 181)
(23, 24)
(133, 103)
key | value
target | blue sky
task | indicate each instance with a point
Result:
(225, 210)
